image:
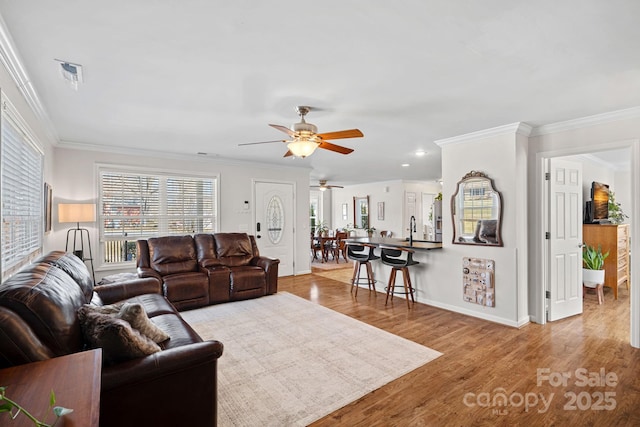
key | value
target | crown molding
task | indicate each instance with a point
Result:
(214, 158)
(519, 128)
(11, 60)
(597, 119)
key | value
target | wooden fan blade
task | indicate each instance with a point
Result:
(333, 147)
(341, 134)
(288, 154)
(284, 129)
(262, 142)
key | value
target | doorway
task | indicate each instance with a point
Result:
(542, 218)
(274, 222)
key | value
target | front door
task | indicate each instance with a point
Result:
(565, 239)
(274, 223)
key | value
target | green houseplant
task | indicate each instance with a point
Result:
(593, 265)
(616, 215)
(322, 228)
(14, 409)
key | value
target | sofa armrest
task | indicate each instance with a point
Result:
(163, 363)
(270, 267)
(148, 272)
(185, 377)
(118, 291)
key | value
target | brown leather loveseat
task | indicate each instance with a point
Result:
(39, 320)
(204, 269)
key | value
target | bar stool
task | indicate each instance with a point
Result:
(362, 253)
(392, 256)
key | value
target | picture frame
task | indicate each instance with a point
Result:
(48, 196)
(381, 210)
(345, 209)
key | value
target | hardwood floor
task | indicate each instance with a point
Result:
(484, 361)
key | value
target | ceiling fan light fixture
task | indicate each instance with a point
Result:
(302, 147)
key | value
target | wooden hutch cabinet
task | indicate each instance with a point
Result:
(615, 239)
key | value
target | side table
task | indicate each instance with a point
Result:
(75, 380)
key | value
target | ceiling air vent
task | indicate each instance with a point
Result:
(71, 73)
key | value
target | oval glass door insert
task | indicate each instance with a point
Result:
(275, 219)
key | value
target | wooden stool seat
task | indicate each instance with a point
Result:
(392, 256)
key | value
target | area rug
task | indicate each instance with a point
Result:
(289, 362)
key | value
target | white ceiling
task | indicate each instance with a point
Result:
(203, 76)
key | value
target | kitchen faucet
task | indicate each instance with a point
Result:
(412, 229)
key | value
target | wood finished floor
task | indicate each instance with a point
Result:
(482, 359)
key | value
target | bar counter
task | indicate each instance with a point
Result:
(422, 245)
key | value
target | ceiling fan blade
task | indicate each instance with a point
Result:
(333, 147)
(341, 134)
(262, 142)
(288, 154)
(284, 129)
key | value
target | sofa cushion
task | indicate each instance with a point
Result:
(74, 267)
(234, 249)
(118, 340)
(187, 290)
(172, 254)
(136, 316)
(47, 299)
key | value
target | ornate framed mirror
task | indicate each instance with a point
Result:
(476, 210)
(361, 212)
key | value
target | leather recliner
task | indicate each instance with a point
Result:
(207, 268)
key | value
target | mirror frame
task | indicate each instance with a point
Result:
(478, 238)
(356, 202)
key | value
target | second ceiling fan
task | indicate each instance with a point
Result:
(323, 185)
(305, 137)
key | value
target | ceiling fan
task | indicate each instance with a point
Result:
(305, 137)
(323, 185)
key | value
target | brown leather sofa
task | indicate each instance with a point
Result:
(207, 268)
(38, 320)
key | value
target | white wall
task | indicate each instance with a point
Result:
(75, 179)
(499, 154)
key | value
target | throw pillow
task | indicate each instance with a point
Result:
(105, 309)
(118, 340)
(134, 314)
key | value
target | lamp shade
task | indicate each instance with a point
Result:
(303, 147)
(76, 212)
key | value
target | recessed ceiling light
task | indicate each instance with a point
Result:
(420, 153)
(405, 165)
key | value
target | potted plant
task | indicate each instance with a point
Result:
(370, 231)
(593, 266)
(348, 229)
(616, 215)
(322, 229)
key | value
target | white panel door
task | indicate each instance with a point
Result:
(565, 243)
(274, 223)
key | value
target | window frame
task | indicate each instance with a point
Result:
(154, 172)
(10, 114)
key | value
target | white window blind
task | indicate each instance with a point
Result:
(137, 206)
(21, 192)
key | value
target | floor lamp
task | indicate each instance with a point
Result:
(78, 212)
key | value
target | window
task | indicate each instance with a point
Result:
(21, 191)
(141, 205)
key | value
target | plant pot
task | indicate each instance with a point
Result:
(592, 278)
